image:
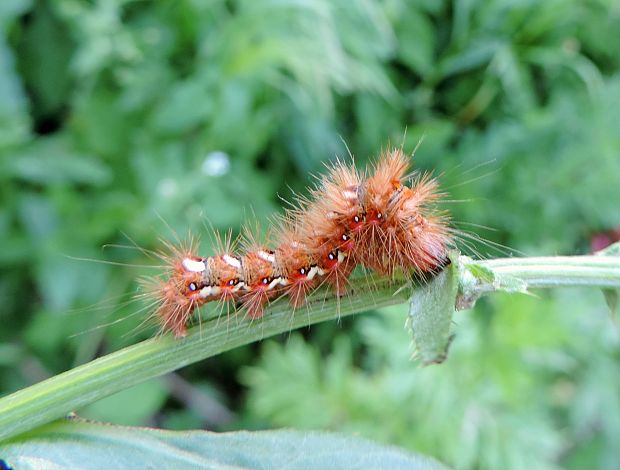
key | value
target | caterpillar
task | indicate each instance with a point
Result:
(383, 218)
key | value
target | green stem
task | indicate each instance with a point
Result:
(56, 397)
(559, 271)
(59, 395)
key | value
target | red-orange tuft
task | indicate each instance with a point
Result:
(260, 275)
(402, 230)
(178, 295)
(387, 222)
(297, 267)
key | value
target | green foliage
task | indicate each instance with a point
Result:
(150, 118)
(521, 387)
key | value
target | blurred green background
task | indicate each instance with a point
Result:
(123, 122)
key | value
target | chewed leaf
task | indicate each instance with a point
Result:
(87, 445)
(430, 315)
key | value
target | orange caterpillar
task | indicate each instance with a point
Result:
(383, 220)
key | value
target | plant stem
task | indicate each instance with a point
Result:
(59, 395)
(559, 271)
(56, 397)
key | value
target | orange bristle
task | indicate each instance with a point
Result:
(224, 275)
(332, 222)
(260, 274)
(398, 218)
(339, 196)
(179, 295)
(426, 231)
(333, 249)
(297, 266)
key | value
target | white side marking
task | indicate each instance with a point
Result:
(314, 270)
(266, 256)
(341, 256)
(275, 282)
(208, 291)
(193, 266)
(239, 285)
(232, 261)
(349, 194)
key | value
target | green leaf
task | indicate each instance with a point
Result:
(45, 52)
(84, 445)
(416, 40)
(186, 105)
(430, 315)
(55, 160)
(14, 119)
(479, 54)
(9, 9)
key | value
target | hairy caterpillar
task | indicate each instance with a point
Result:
(383, 219)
